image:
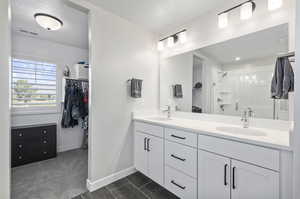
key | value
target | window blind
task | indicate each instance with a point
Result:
(33, 83)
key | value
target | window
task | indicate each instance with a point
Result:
(33, 84)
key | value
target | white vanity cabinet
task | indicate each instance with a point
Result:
(194, 165)
(218, 176)
(149, 152)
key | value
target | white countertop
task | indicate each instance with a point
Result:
(272, 138)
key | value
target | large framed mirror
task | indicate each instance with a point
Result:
(227, 78)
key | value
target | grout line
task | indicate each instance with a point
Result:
(134, 186)
(111, 193)
(144, 185)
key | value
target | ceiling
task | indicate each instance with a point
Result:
(159, 15)
(266, 43)
(74, 31)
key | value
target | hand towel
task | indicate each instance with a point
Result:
(178, 91)
(283, 79)
(136, 88)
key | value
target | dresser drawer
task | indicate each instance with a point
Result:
(181, 157)
(33, 143)
(257, 155)
(180, 184)
(157, 131)
(182, 137)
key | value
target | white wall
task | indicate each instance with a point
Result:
(204, 31)
(119, 50)
(177, 70)
(5, 21)
(37, 49)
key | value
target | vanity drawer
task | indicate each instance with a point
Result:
(180, 184)
(157, 131)
(181, 137)
(182, 158)
(257, 155)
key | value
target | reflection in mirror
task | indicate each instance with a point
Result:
(227, 78)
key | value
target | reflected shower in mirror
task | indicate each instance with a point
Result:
(228, 77)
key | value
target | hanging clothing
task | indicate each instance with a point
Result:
(283, 79)
(75, 105)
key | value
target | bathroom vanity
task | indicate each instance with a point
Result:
(214, 160)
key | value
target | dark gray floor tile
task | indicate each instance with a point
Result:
(77, 197)
(128, 191)
(139, 179)
(86, 195)
(155, 191)
(117, 184)
(102, 193)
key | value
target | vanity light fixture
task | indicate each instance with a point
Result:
(170, 42)
(182, 37)
(274, 4)
(172, 39)
(223, 19)
(246, 12)
(160, 45)
(48, 22)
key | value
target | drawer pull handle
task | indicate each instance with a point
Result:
(178, 137)
(20, 146)
(148, 145)
(45, 152)
(174, 183)
(225, 174)
(233, 178)
(145, 140)
(20, 157)
(20, 134)
(45, 142)
(44, 132)
(178, 158)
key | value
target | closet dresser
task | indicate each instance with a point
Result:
(32, 143)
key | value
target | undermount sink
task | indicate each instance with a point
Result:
(159, 118)
(241, 131)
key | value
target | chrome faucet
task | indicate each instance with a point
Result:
(246, 114)
(168, 111)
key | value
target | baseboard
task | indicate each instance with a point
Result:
(97, 184)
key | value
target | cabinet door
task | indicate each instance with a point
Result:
(250, 182)
(140, 153)
(156, 159)
(213, 176)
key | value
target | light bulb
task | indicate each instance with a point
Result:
(160, 45)
(182, 37)
(274, 4)
(246, 10)
(170, 41)
(223, 20)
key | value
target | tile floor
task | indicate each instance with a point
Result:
(63, 177)
(135, 186)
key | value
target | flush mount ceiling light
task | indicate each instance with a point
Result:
(247, 9)
(48, 22)
(172, 39)
(237, 59)
(274, 4)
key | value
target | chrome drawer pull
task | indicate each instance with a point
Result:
(45, 152)
(178, 158)
(174, 183)
(44, 132)
(45, 142)
(178, 137)
(20, 134)
(20, 157)
(20, 146)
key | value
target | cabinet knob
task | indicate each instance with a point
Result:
(45, 142)
(20, 134)
(44, 131)
(45, 152)
(20, 146)
(20, 157)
